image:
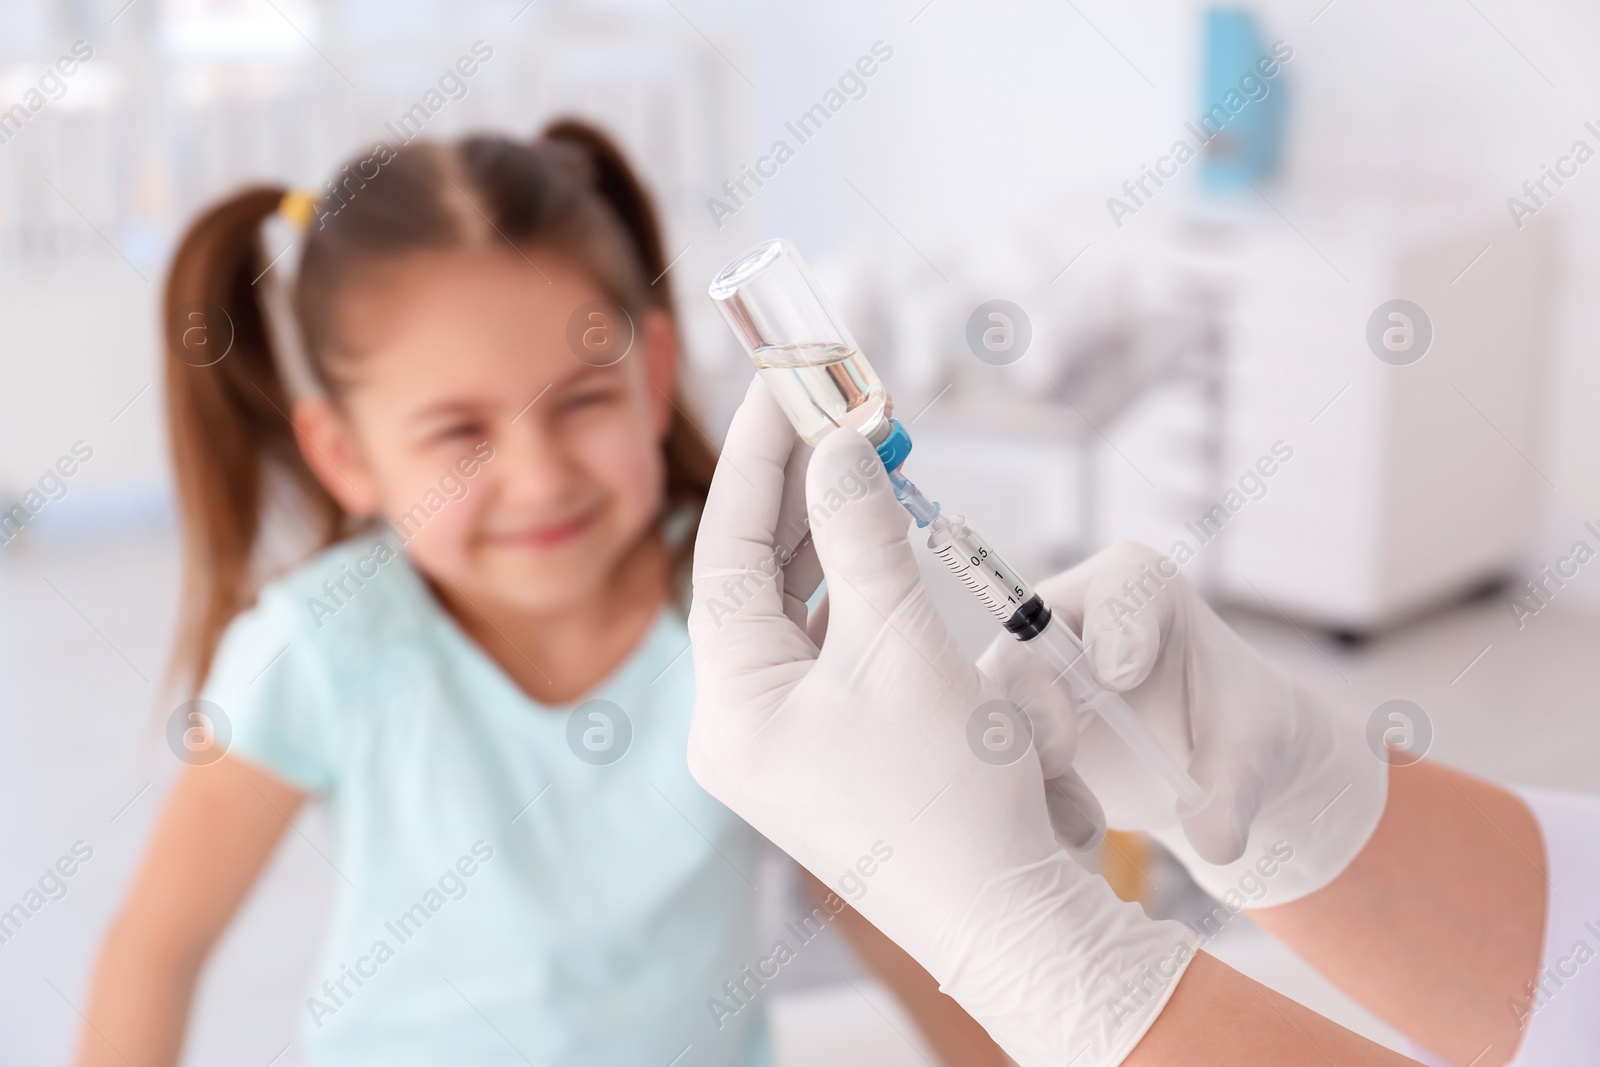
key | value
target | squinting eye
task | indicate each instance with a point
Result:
(461, 430)
(583, 400)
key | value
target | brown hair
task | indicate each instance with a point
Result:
(233, 445)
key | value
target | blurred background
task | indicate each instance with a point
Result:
(1372, 278)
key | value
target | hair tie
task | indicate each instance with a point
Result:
(297, 207)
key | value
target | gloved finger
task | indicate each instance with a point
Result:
(1137, 615)
(1075, 812)
(1028, 681)
(1128, 612)
(801, 571)
(1222, 759)
(1067, 593)
(802, 576)
(874, 583)
(1063, 593)
(737, 617)
(1221, 830)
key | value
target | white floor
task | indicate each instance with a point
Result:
(83, 630)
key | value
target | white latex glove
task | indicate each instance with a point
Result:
(854, 759)
(1297, 790)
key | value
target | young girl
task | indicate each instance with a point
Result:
(483, 672)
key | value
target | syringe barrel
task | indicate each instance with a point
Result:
(770, 300)
(987, 577)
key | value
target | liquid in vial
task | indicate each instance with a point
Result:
(823, 385)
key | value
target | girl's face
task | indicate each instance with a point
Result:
(514, 470)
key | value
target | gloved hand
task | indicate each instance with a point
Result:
(1293, 778)
(853, 758)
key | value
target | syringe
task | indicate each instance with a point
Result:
(822, 381)
(1024, 614)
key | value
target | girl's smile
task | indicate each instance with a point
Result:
(545, 537)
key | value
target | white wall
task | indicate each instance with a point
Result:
(1002, 120)
(990, 142)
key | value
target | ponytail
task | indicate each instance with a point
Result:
(614, 180)
(690, 458)
(228, 420)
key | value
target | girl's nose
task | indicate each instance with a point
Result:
(533, 466)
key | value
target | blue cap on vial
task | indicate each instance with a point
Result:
(896, 447)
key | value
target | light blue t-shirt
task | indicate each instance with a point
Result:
(505, 896)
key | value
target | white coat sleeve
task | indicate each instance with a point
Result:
(1560, 1015)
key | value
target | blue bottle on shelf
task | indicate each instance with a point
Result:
(1241, 107)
